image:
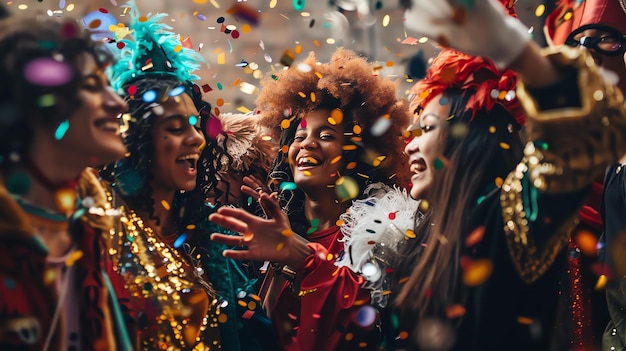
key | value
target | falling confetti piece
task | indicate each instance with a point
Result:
(346, 188)
(386, 20)
(62, 129)
(540, 10)
(587, 242)
(455, 311)
(47, 72)
(165, 205)
(477, 272)
(381, 125)
(475, 236)
(180, 240)
(288, 186)
(280, 246)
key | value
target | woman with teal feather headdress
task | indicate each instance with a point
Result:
(188, 295)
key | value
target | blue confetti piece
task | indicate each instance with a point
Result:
(61, 130)
(180, 240)
(193, 120)
(288, 186)
(177, 91)
(149, 96)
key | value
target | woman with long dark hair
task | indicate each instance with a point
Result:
(187, 294)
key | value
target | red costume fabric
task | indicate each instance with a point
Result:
(28, 297)
(322, 315)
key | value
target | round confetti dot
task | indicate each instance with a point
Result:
(193, 120)
(346, 188)
(587, 242)
(149, 96)
(477, 272)
(366, 316)
(47, 72)
(371, 272)
(235, 34)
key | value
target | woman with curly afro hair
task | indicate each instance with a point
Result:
(341, 131)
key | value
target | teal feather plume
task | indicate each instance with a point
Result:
(151, 48)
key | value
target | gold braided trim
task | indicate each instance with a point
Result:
(530, 262)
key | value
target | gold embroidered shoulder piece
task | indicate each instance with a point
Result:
(569, 147)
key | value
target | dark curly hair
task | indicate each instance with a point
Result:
(348, 83)
(131, 176)
(21, 42)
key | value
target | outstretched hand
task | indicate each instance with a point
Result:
(475, 27)
(254, 187)
(263, 239)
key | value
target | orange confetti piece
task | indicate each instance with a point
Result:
(455, 311)
(165, 205)
(302, 95)
(287, 233)
(190, 227)
(410, 234)
(587, 242)
(336, 159)
(280, 246)
(524, 320)
(475, 236)
(477, 272)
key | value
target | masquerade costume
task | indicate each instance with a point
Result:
(52, 299)
(316, 307)
(527, 222)
(602, 212)
(28, 304)
(189, 295)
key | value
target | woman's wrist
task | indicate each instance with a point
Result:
(298, 253)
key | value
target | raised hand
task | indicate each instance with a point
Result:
(262, 239)
(475, 27)
(253, 187)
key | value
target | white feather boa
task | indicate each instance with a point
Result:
(373, 230)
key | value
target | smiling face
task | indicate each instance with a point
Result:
(177, 145)
(316, 144)
(427, 147)
(93, 136)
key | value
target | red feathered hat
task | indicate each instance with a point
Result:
(453, 69)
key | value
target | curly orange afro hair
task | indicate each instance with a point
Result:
(350, 84)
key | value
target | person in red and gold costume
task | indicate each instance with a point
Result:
(341, 130)
(58, 116)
